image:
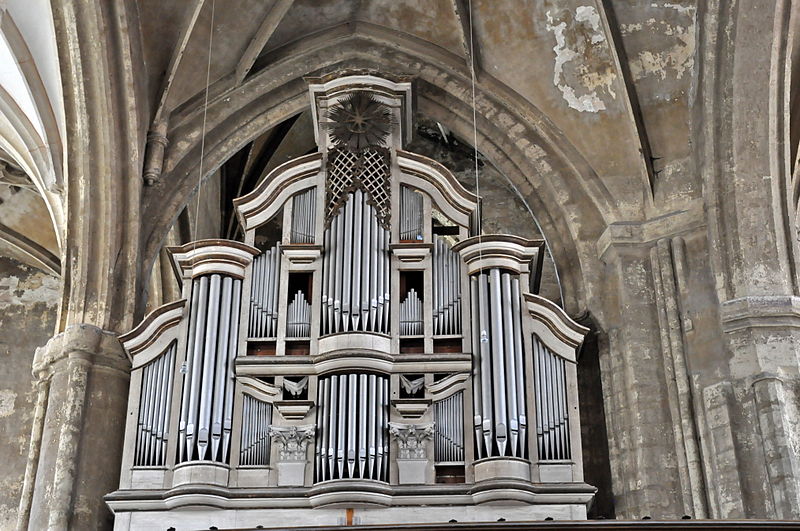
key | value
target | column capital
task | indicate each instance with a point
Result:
(93, 344)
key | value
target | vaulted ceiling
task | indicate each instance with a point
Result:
(583, 105)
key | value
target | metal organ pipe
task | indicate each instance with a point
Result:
(256, 419)
(355, 264)
(207, 400)
(264, 293)
(298, 317)
(352, 419)
(499, 384)
(410, 214)
(411, 315)
(303, 217)
(446, 269)
(449, 429)
(154, 403)
(552, 418)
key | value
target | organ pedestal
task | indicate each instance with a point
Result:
(365, 346)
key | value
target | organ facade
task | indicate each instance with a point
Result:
(365, 347)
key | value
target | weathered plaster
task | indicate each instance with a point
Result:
(584, 71)
(28, 302)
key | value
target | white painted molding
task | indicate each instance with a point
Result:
(558, 332)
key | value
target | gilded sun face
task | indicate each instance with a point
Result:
(359, 121)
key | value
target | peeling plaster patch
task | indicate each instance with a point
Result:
(8, 399)
(584, 70)
(683, 10)
(39, 287)
(675, 60)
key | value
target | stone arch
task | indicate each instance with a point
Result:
(570, 201)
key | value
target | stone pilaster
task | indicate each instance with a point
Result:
(76, 443)
(292, 450)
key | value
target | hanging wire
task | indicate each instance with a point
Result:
(474, 121)
(203, 128)
(484, 334)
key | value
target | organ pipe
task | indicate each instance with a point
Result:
(304, 211)
(154, 404)
(264, 294)
(411, 214)
(256, 419)
(355, 270)
(499, 386)
(552, 413)
(207, 399)
(352, 420)
(411, 322)
(446, 271)
(448, 415)
(298, 316)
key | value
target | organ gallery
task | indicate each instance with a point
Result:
(366, 345)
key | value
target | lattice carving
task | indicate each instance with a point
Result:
(368, 170)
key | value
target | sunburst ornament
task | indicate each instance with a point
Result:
(359, 121)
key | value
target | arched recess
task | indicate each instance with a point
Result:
(571, 203)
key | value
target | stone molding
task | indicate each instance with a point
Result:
(98, 346)
(637, 233)
(760, 311)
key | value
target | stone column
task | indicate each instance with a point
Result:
(412, 459)
(743, 155)
(292, 453)
(76, 444)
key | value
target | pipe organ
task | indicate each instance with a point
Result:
(364, 340)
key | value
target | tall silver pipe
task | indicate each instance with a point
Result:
(351, 424)
(233, 348)
(209, 357)
(510, 359)
(373, 273)
(384, 429)
(540, 406)
(196, 368)
(486, 361)
(322, 431)
(347, 265)
(333, 427)
(498, 362)
(358, 236)
(144, 397)
(341, 426)
(380, 287)
(225, 310)
(275, 287)
(379, 434)
(366, 251)
(156, 426)
(519, 363)
(372, 400)
(477, 407)
(385, 256)
(245, 431)
(185, 388)
(362, 424)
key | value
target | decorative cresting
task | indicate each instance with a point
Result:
(366, 350)
(359, 125)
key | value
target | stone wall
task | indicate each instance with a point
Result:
(28, 306)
